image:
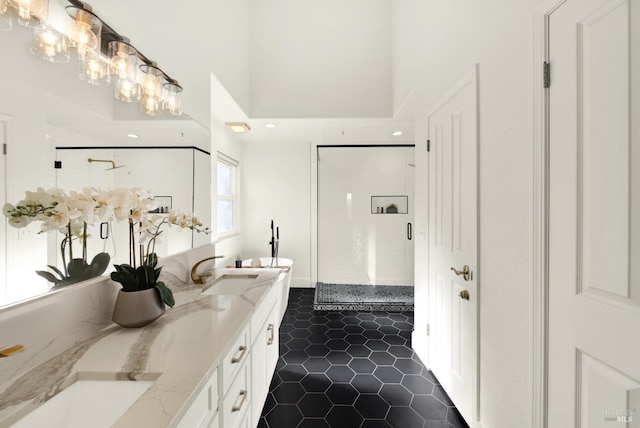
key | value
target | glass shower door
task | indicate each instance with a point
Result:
(365, 214)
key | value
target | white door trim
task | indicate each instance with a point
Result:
(541, 211)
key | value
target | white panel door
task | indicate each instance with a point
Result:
(594, 217)
(453, 243)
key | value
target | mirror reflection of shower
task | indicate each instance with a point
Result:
(113, 164)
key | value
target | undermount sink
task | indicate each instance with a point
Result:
(94, 403)
(231, 284)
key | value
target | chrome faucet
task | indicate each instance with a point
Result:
(201, 279)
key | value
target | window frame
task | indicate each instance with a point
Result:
(234, 196)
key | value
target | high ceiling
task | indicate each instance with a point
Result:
(311, 69)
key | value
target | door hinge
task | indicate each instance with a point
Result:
(4, 149)
(428, 330)
(546, 74)
(428, 145)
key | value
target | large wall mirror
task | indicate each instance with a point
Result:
(48, 114)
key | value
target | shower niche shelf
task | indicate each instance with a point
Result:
(390, 204)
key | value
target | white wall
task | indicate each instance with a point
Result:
(307, 59)
(435, 43)
(277, 185)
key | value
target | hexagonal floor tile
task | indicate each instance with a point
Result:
(358, 351)
(429, 407)
(382, 358)
(314, 405)
(408, 366)
(339, 357)
(288, 393)
(316, 382)
(396, 395)
(317, 350)
(362, 365)
(344, 416)
(295, 357)
(388, 374)
(404, 417)
(284, 416)
(417, 384)
(316, 365)
(340, 374)
(371, 406)
(342, 393)
(366, 383)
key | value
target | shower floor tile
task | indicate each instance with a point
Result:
(363, 380)
(361, 297)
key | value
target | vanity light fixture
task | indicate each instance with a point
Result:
(85, 29)
(49, 44)
(151, 89)
(270, 125)
(238, 127)
(29, 11)
(396, 133)
(172, 98)
(103, 54)
(5, 15)
(123, 59)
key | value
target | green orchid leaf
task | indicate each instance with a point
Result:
(76, 267)
(56, 270)
(152, 260)
(165, 294)
(125, 275)
(100, 263)
(48, 276)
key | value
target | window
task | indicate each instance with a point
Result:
(227, 193)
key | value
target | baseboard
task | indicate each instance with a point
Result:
(302, 283)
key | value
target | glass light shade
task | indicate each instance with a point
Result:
(172, 98)
(152, 80)
(150, 105)
(29, 11)
(5, 15)
(94, 69)
(123, 60)
(50, 45)
(84, 31)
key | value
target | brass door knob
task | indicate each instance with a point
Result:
(465, 272)
(464, 294)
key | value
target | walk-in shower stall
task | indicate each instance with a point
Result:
(365, 217)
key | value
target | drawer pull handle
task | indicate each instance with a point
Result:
(243, 394)
(237, 359)
(271, 329)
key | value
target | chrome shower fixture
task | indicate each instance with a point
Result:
(113, 164)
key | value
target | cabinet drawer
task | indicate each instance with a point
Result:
(237, 400)
(234, 359)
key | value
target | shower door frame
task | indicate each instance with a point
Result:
(315, 230)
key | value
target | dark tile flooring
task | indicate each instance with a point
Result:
(352, 370)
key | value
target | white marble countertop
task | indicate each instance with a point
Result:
(179, 352)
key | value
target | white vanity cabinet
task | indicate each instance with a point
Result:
(236, 392)
(235, 381)
(264, 358)
(203, 413)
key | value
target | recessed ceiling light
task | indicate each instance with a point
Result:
(270, 125)
(133, 136)
(238, 127)
(396, 133)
